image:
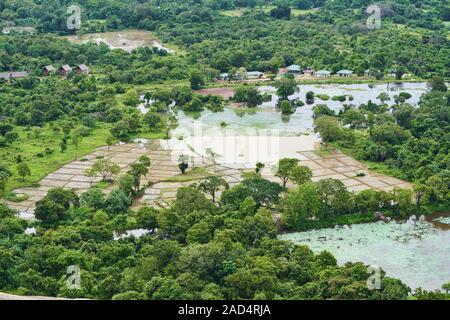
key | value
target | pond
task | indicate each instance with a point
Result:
(416, 251)
(243, 135)
(267, 117)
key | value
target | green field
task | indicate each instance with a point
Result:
(33, 142)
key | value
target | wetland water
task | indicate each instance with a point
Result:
(244, 136)
(416, 251)
(266, 117)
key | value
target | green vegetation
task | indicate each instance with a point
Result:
(226, 247)
(194, 174)
(201, 250)
(41, 155)
(323, 97)
(327, 35)
(412, 143)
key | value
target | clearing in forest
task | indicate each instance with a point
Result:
(127, 40)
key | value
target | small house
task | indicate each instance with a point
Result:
(65, 70)
(18, 29)
(82, 69)
(323, 74)
(294, 69)
(47, 70)
(367, 73)
(224, 76)
(254, 75)
(8, 76)
(345, 73)
(308, 71)
(392, 73)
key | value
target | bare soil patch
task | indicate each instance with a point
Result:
(127, 40)
(224, 92)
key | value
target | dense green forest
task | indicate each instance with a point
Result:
(198, 249)
(201, 251)
(224, 248)
(414, 37)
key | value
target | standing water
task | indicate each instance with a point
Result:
(416, 251)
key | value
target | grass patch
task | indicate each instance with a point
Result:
(14, 197)
(373, 166)
(323, 96)
(194, 174)
(102, 184)
(324, 152)
(233, 13)
(31, 146)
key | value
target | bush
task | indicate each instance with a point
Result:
(117, 202)
(323, 96)
(93, 198)
(339, 98)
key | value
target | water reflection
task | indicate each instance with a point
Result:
(415, 251)
(267, 115)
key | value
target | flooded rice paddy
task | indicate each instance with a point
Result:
(416, 251)
(267, 117)
(245, 134)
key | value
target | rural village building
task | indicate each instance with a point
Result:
(294, 69)
(345, 73)
(65, 70)
(253, 75)
(323, 74)
(308, 71)
(248, 75)
(48, 69)
(8, 76)
(224, 76)
(82, 69)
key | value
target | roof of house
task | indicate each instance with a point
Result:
(66, 67)
(225, 74)
(323, 72)
(83, 67)
(345, 71)
(254, 73)
(294, 67)
(49, 68)
(13, 74)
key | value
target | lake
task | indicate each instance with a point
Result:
(267, 117)
(249, 135)
(417, 252)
